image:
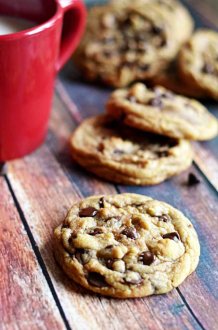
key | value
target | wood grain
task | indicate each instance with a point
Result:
(57, 188)
(25, 298)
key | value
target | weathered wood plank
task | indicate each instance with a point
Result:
(25, 298)
(41, 181)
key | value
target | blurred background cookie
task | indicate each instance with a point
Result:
(198, 62)
(131, 43)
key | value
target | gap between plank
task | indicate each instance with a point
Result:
(37, 254)
(189, 309)
(205, 177)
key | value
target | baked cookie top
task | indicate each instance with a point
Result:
(160, 111)
(126, 245)
(125, 155)
(121, 46)
(198, 61)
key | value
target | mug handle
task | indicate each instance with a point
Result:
(73, 27)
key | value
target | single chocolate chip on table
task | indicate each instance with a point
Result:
(88, 212)
(96, 279)
(193, 180)
(147, 258)
(130, 232)
(174, 236)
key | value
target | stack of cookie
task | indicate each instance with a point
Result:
(144, 137)
(127, 41)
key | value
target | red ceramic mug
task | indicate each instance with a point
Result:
(29, 62)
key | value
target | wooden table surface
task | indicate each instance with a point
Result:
(34, 197)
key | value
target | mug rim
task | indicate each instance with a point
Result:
(37, 28)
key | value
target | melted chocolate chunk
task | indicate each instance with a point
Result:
(162, 153)
(156, 102)
(65, 226)
(174, 236)
(157, 30)
(164, 218)
(82, 256)
(97, 280)
(88, 212)
(101, 202)
(109, 263)
(130, 232)
(208, 68)
(147, 258)
(193, 180)
(95, 231)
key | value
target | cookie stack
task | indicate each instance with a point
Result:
(127, 41)
(143, 138)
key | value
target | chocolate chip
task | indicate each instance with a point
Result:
(88, 212)
(130, 232)
(118, 152)
(164, 218)
(65, 226)
(208, 68)
(174, 236)
(101, 202)
(157, 30)
(109, 263)
(82, 256)
(146, 257)
(162, 153)
(100, 147)
(168, 95)
(163, 43)
(132, 99)
(97, 280)
(144, 67)
(95, 231)
(156, 102)
(193, 180)
(109, 247)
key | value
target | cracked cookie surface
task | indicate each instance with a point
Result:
(126, 44)
(124, 155)
(126, 245)
(160, 111)
(198, 62)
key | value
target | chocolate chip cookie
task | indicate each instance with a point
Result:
(170, 79)
(121, 46)
(121, 154)
(198, 62)
(126, 245)
(160, 111)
